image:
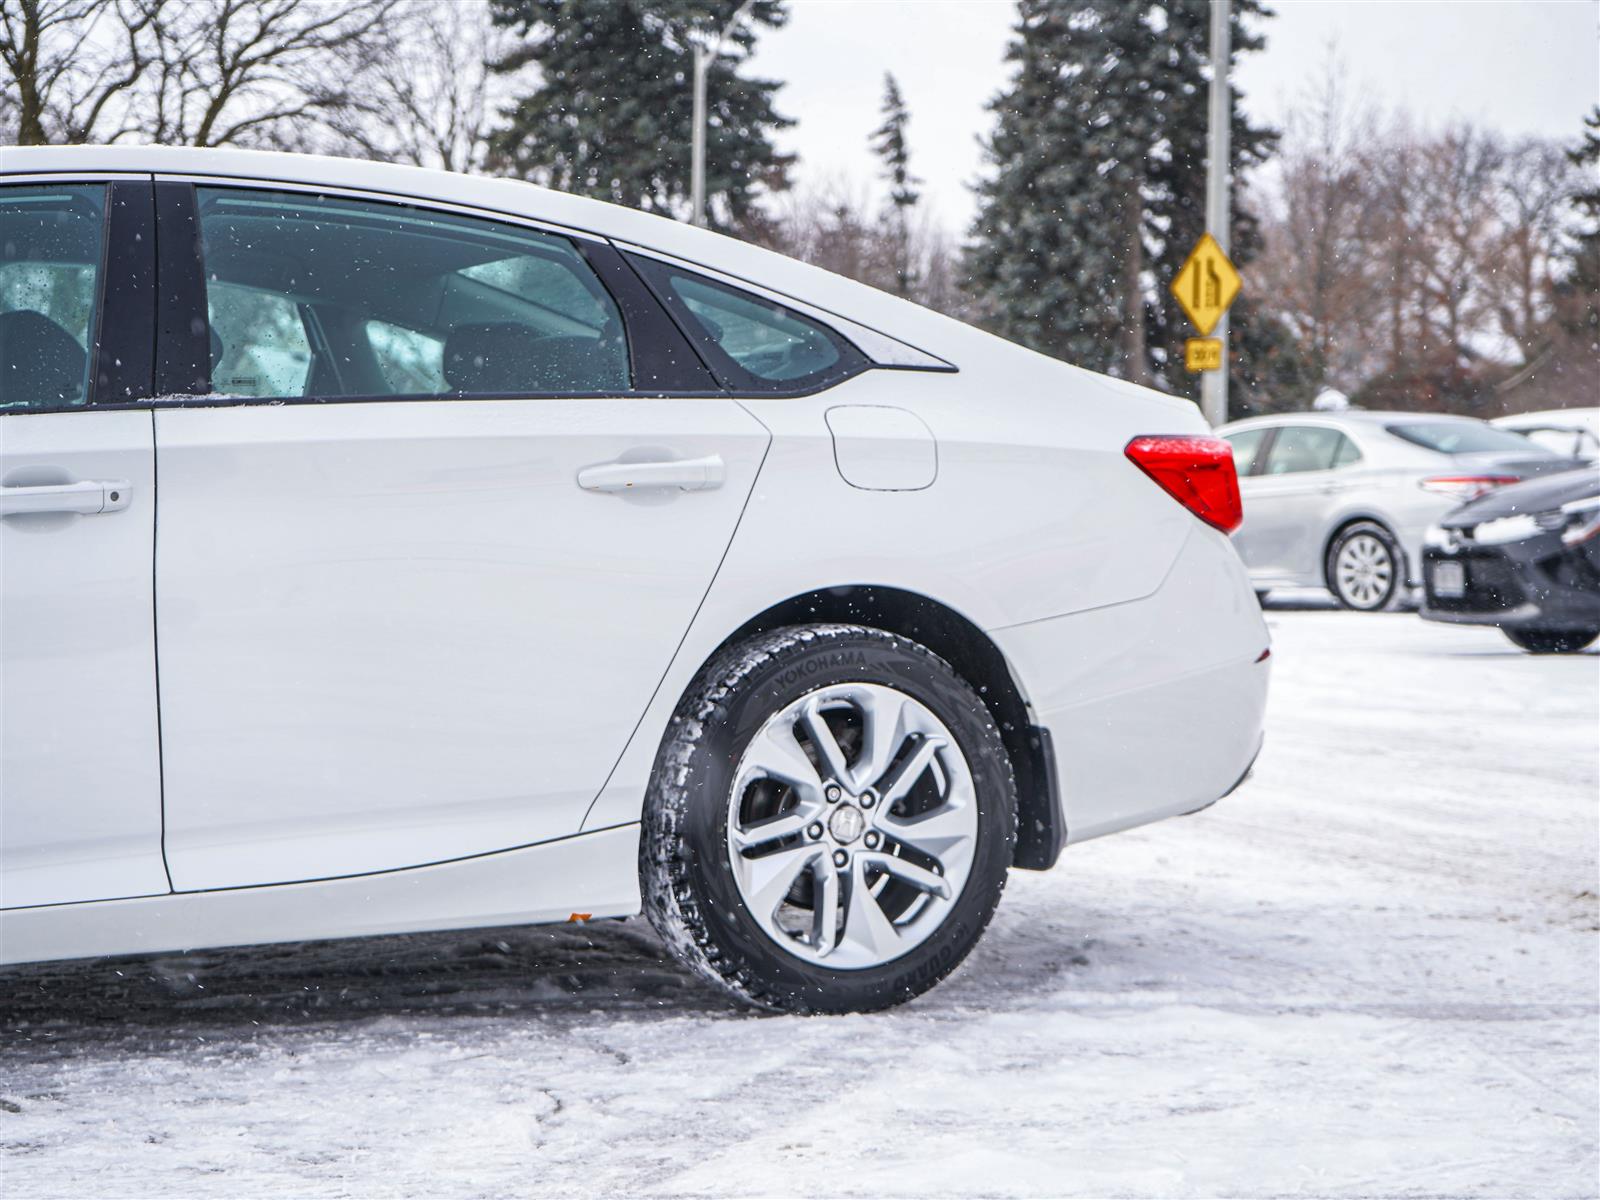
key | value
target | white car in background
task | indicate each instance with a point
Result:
(1345, 500)
(390, 550)
(1571, 432)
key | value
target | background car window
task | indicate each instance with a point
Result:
(318, 296)
(1246, 446)
(51, 241)
(1462, 437)
(1302, 448)
(1346, 454)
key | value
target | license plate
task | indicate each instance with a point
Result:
(1449, 579)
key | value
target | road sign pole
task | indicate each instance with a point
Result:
(1214, 384)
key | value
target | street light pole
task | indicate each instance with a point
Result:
(1214, 384)
(704, 55)
(697, 151)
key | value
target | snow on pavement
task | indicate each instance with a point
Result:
(1372, 971)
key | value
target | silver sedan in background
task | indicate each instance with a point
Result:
(1343, 500)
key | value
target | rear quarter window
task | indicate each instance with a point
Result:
(752, 344)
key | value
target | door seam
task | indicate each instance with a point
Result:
(155, 644)
(666, 673)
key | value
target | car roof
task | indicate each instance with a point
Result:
(891, 315)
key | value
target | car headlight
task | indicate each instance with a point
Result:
(1506, 529)
(1437, 538)
(1582, 520)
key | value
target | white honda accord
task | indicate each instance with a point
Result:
(388, 550)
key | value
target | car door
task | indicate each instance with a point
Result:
(80, 771)
(432, 542)
(1285, 502)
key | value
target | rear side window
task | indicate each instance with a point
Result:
(751, 343)
(1303, 448)
(1463, 437)
(320, 296)
(1246, 448)
(51, 246)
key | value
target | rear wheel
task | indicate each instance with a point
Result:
(1552, 641)
(1365, 568)
(829, 823)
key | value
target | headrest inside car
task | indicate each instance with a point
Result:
(40, 362)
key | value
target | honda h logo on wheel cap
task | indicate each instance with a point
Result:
(847, 823)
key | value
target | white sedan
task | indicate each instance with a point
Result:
(389, 550)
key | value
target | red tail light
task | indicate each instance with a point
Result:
(1196, 471)
(1465, 487)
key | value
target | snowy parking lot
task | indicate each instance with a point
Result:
(1372, 971)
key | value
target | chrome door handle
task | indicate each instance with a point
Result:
(88, 497)
(686, 474)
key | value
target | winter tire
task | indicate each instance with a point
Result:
(1365, 569)
(829, 822)
(1552, 641)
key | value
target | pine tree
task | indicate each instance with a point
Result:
(889, 143)
(1096, 190)
(611, 117)
(1578, 298)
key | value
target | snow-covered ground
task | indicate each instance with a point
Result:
(1373, 971)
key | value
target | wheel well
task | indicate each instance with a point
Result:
(1338, 532)
(1041, 827)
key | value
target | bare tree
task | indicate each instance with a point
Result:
(1538, 181)
(188, 72)
(434, 99)
(834, 226)
(1318, 232)
(72, 67)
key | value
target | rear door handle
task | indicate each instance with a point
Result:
(686, 474)
(88, 497)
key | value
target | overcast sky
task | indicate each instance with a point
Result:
(1520, 66)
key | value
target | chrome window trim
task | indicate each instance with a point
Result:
(258, 183)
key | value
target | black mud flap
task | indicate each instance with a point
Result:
(1041, 822)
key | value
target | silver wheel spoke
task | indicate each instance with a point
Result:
(911, 769)
(775, 754)
(825, 929)
(865, 923)
(790, 823)
(935, 834)
(920, 878)
(772, 875)
(826, 745)
(881, 739)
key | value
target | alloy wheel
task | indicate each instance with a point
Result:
(1364, 571)
(852, 825)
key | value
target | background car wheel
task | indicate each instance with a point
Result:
(1552, 641)
(830, 821)
(1365, 569)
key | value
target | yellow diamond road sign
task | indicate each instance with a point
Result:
(1206, 284)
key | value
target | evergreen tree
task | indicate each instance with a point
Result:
(1578, 298)
(1097, 185)
(889, 143)
(612, 116)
